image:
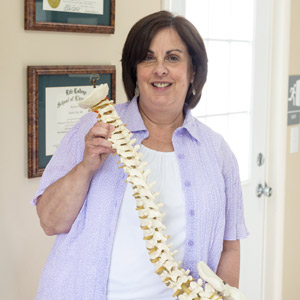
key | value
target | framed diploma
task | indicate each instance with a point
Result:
(93, 16)
(53, 93)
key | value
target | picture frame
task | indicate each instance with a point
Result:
(37, 18)
(53, 93)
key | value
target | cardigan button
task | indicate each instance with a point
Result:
(192, 212)
(181, 156)
(187, 184)
(191, 243)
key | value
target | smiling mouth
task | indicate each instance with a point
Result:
(161, 84)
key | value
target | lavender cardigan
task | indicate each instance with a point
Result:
(79, 262)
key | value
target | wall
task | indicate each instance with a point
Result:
(291, 262)
(24, 247)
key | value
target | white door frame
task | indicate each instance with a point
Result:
(277, 124)
(276, 144)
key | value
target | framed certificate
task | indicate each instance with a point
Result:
(53, 94)
(93, 16)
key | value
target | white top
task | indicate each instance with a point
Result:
(132, 274)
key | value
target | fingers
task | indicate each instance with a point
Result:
(98, 135)
(101, 130)
(97, 146)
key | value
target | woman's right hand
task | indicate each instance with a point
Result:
(97, 147)
(61, 202)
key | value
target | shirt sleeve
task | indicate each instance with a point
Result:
(67, 156)
(235, 227)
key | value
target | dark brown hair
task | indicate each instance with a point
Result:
(138, 42)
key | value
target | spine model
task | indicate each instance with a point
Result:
(175, 278)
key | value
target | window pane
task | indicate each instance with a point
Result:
(240, 77)
(235, 128)
(239, 140)
(242, 19)
(219, 124)
(218, 77)
(219, 16)
(197, 13)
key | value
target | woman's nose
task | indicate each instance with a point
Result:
(160, 69)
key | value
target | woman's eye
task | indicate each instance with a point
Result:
(173, 58)
(149, 57)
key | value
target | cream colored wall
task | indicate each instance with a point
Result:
(23, 246)
(291, 261)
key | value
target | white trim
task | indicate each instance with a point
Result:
(165, 5)
(274, 227)
(176, 6)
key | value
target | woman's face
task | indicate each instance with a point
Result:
(163, 77)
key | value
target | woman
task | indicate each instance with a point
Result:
(99, 251)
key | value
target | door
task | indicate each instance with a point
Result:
(234, 103)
